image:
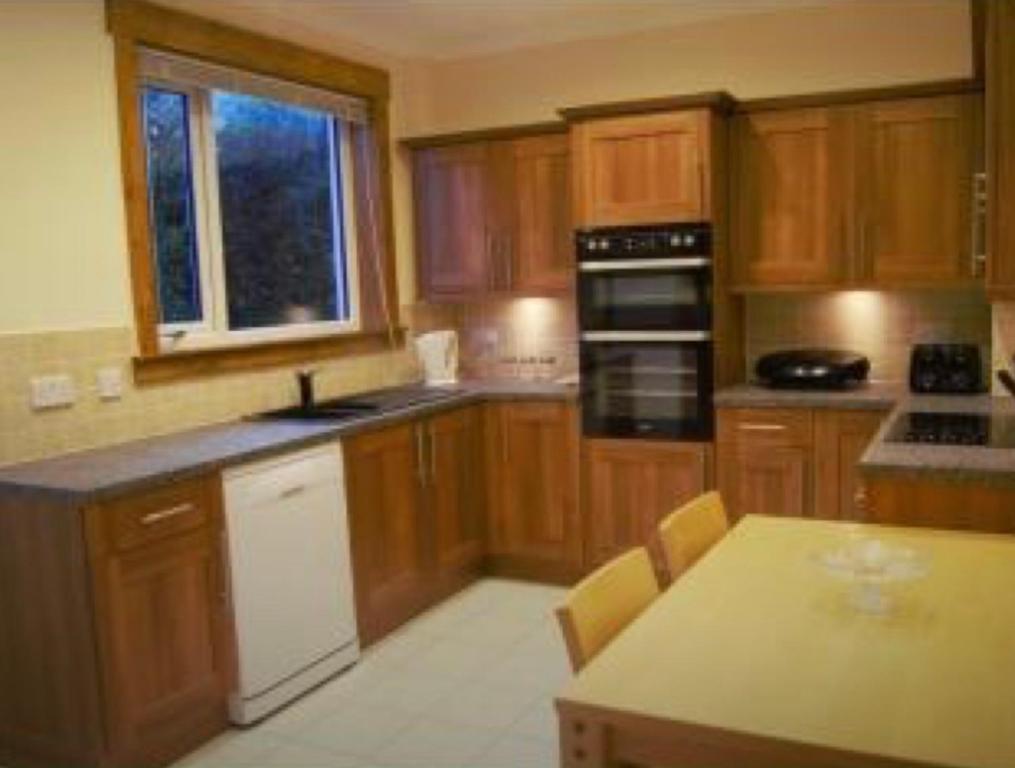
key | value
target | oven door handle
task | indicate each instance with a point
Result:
(646, 336)
(636, 265)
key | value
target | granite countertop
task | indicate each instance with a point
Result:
(874, 396)
(954, 462)
(93, 475)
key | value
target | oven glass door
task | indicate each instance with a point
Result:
(641, 296)
(646, 388)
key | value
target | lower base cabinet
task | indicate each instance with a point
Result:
(116, 642)
(534, 527)
(630, 485)
(965, 505)
(798, 462)
(415, 516)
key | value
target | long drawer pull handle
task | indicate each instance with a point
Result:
(762, 427)
(296, 490)
(157, 517)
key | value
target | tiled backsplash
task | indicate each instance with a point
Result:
(882, 325)
(151, 410)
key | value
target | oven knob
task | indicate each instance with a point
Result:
(675, 241)
(689, 240)
(604, 244)
(591, 245)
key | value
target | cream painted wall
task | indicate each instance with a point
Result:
(62, 237)
(845, 45)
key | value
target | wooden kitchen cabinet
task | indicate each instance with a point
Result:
(791, 197)
(116, 641)
(630, 485)
(915, 166)
(1000, 77)
(453, 238)
(534, 529)
(764, 461)
(931, 502)
(414, 493)
(455, 494)
(542, 244)
(493, 217)
(840, 439)
(871, 194)
(642, 169)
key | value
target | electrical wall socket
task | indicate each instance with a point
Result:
(109, 383)
(54, 391)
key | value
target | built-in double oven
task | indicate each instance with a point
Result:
(645, 315)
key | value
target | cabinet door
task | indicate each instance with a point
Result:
(792, 180)
(1001, 148)
(764, 461)
(455, 494)
(630, 486)
(543, 248)
(450, 190)
(915, 169)
(385, 471)
(532, 455)
(160, 613)
(840, 439)
(642, 169)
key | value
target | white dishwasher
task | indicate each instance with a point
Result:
(290, 577)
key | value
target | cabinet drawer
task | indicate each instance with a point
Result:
(158, 513)
(782, 426)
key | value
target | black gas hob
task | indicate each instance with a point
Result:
(938, 428)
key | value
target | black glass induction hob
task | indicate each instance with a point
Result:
(933, 428)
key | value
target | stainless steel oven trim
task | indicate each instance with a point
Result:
(646, 336)
(635, 265)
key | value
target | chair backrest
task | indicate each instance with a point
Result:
(605, 602)
(688, 533)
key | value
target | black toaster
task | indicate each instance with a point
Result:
(946, 369)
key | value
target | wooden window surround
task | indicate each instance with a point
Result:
(135, 23)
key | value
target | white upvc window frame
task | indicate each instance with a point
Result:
(213, 331)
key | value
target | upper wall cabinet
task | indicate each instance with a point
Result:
(493, 217)
(915, 166)
(1001, 147)
(453, 241)
(791, 196)
(876, 194)
(642, 169)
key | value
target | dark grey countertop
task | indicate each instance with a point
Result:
(93, 475)
(952, 462)
(874, 396)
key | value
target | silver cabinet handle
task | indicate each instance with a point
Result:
(978, 236)
(762, 427)
(420, 464)
(156, 517)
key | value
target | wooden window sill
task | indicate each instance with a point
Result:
(193, 364)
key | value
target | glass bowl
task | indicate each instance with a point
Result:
(870, 566)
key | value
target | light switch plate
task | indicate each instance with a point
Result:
(109, 383)
(54, 391)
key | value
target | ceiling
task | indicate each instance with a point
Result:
(445, 29)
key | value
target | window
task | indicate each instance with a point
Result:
(250, 200)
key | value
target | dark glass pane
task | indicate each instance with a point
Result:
(171, 204)
(281, 212)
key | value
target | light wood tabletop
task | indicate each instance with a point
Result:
(756, 657)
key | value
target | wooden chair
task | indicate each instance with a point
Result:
(688, 533)
(605, 602)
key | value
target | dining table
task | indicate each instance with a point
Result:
(761, 655)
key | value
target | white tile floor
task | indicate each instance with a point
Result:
(469, 684)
